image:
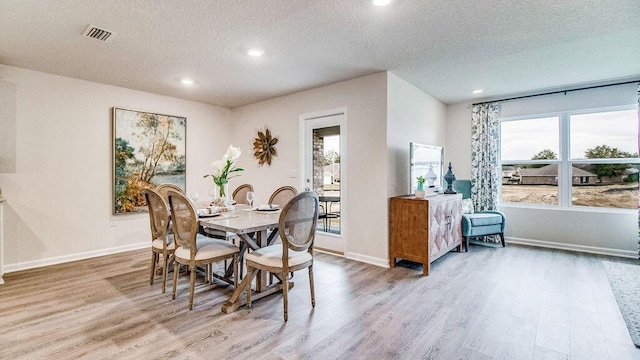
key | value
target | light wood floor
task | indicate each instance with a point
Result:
(491, 303)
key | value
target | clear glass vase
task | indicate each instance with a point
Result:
(223, 193)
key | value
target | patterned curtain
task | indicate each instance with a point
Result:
(485, 158)
(485, 162)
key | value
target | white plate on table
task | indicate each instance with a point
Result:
(267, 208)
(207, 215)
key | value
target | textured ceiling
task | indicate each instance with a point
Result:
(446, 48)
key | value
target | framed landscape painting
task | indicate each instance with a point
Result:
(148, 149)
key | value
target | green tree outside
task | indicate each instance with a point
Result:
(606, 152)
(546, 154)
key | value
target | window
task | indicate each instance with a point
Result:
(587, 159)
(529, 149)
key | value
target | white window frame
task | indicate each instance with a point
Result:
(565, 187)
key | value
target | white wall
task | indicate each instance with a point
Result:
(458, 135)
(581, 230)
(58, 182)
(7, 127)
(412, 116)
(59, 196)
(365, 100)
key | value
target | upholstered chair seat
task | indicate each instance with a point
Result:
(207, 249)
(158, 243)
(272, 256)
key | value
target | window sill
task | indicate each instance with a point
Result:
(583, 209)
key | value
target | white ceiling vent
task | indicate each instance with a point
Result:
(95, 32)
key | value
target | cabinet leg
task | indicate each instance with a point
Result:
(392, 262)
(425, 269)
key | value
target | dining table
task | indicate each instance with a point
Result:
(256, 229)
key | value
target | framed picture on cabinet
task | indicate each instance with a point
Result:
(426, 161)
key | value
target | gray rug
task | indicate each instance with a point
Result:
(625, 283)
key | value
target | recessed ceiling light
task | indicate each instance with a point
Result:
(187, 81)
(478, 91)
(381, 2)
(255, 52)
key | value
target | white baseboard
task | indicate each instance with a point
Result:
(349, 255)
(356, 257)
(73, 257)
(572, 247)
(327, 251)
(367, 259)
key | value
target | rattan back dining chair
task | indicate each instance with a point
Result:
(240, 193)
(163, 188)
(297, 228)
(161, 241)
(194, 249)
(282, 195)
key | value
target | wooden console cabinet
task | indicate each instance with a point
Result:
(423, 230)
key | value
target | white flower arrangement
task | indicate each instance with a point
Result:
(222, 168)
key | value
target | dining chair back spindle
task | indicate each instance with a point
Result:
(282, 196)
(194, 249)
(297, 227)
(161, 241)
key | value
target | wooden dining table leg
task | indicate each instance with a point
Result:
(262, 238)
(235, 301)
(261, 277)
(229, 272)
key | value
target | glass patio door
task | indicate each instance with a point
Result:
(324, 174)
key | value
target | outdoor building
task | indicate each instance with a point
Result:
(548, 175)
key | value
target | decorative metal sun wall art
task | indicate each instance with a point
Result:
(264, 147)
